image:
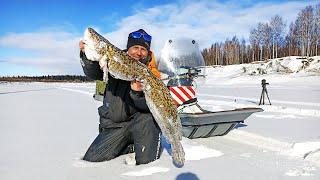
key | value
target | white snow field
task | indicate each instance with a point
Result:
(45, 129)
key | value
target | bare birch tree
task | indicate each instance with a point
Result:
(277, 26)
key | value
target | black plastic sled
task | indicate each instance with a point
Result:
(208, 124)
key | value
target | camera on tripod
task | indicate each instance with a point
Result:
(264, 91)
(264, 83)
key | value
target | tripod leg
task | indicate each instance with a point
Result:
(261, 97)
(268, 96)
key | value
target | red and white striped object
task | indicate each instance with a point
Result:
(181, 94)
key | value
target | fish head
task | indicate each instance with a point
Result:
(94, 44)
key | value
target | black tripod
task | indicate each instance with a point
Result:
(264, 91)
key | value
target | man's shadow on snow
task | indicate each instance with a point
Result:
(187, 176)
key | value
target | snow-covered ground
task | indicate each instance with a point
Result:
(45, 129)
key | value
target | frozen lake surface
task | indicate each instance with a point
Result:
(45, 129)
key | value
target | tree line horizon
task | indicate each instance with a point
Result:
(46, 78)
(268, 40)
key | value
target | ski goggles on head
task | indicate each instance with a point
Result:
(138, 35)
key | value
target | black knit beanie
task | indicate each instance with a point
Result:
(138, 41)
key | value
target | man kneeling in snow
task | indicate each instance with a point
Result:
(126, 124)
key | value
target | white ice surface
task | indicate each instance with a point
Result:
(45, 129)
(147, 171)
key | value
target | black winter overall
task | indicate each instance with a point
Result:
(125, 120)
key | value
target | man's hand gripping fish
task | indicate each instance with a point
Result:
(122, 66)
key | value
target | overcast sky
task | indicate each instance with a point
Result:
(41, 37)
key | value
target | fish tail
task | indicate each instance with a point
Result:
(178, 154)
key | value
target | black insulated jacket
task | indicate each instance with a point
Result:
(120, 101)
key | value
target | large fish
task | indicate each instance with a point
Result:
(121, 66)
